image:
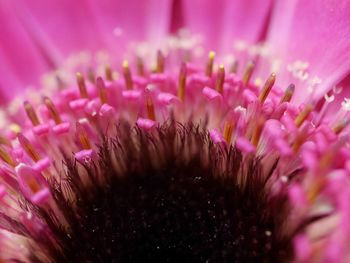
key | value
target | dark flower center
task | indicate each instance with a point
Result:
(169, 197)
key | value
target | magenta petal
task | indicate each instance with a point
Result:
(68, 25)
(222, 22)
(133, 20)
(314, 32)
(21, 62)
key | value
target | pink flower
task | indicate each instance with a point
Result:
(122, 140)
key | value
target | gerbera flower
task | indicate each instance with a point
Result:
(174, 130)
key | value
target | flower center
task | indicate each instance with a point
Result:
(172, 195)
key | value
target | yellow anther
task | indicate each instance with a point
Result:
(210, 64)
(150, 107)
(15, 128)
(52, 109)
(228, 131)
(267, 87)
(127, 75)
(81, 85)
(248, 72)
(220, 79)
(140, 67)
(234, 67)
(6, 157)
(257, 131)
(31, 113)
(299, 120)
(288, 94)
(181, 90)
(102, 91)
(28, 147)
(160, 62)
(108, 73)
(83, 136)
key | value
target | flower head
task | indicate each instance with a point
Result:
(153, 151)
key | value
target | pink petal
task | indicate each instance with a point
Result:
(21, 62)
(222, 22)
(133, 20)
(316, 32)
(68, 25)
(74, 26)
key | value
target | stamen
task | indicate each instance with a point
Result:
(127, 75)
(220, 79)
(33, 185)
(228, 130)
(257, 131)
(81, 85)
(82, 136)
(267, 87)
(108, 73)
(102, 91)
(288, 94)
(150, 106)
(234, 67)
(325, 163)
(6, 157)
(28, 147)
(339, 127)
(52, 109)
(303, 115)
(182, 82)
(5, 141)
(91, 76)
(248, 72)
(329, 156)
(300, 139)
(160, 62)
(140, 67)
(60, 83)
(210, 64)
(15, 128)
(33, 117)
